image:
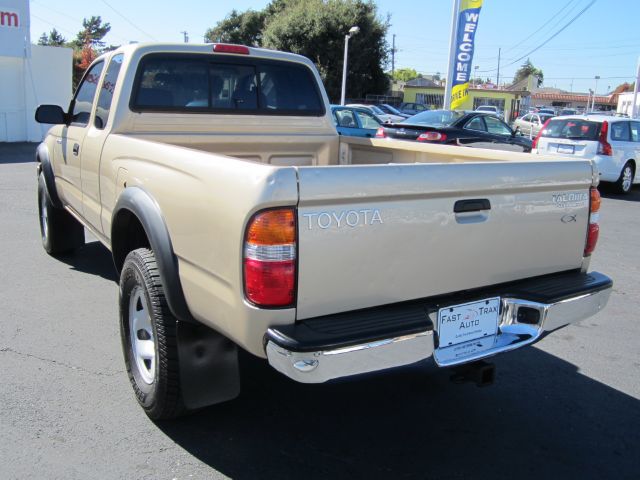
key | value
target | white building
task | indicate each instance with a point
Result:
(625, 101)
(30, 75)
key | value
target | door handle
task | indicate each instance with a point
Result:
(474, 205)
(76, 149)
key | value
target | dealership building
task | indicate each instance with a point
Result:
(30, 75)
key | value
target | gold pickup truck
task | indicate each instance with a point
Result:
(238, 217)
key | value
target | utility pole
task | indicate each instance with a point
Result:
(186, 36)
(498, 77)
(393, 56)
(595, 90)
(571, 87)
(634, 107)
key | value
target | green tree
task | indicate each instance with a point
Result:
(316, 29)
(404, 75)
(244, 28)
(54, 39)
(92, 33)
(527, 69)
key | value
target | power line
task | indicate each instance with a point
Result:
(129, 21)
(544, 25)
(564, 27)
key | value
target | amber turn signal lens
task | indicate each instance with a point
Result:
(595, 200)
(273, 227)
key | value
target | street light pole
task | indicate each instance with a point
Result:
(595, 90)
(352, 31)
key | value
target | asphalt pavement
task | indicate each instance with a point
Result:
(568, 407)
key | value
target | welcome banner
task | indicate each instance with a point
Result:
(465, 37)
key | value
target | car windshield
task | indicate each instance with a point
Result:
(434, 118)
(572, 128)
(545, 117)
(376, 110)
(393, 110)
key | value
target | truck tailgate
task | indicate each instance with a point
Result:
(377, 234)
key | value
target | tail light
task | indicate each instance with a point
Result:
(270, 258)
(594, 216)
(432, 137)
(604, 147)
(535, 140)
(380, 133)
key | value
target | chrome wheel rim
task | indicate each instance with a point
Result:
(627, 178)
(141, 333)
(44, 217)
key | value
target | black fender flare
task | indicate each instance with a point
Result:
(209, 368)
(44, 166)
(138, 202)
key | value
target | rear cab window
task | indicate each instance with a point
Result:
(572, 128)
(225, 84)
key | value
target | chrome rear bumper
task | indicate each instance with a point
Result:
(521, 322)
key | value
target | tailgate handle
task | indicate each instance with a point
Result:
(474, 205)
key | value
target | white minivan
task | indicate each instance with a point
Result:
(612, 142)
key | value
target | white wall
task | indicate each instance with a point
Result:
(45, 77)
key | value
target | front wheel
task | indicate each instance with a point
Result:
(148, 333)
(625, 182)
(60, 232)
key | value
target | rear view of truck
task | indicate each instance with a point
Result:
(456, 262)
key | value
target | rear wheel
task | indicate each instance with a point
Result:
(148, 333)
(61, 233)
(625, 182)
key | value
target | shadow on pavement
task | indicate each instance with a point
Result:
(542, 419)
(20, 152)
(92, 258)
(608, 191)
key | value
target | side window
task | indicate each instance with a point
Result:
(635, 131)
(477, 123)
(106, 92)
(494, 125)
(526, 118)
(346, 119)
(83, 101)
(620, 131)
(367, 120)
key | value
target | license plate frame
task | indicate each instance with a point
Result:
(468, 321)
(564, 148)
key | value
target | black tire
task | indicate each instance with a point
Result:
(60, 232)
(156, 383)
(625, 182)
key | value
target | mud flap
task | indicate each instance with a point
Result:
(209, 370)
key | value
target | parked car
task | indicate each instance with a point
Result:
(386, 108)
(354, 121)
(568, 111)
(413, 108)
(491, 109)
(382, 116)
(531, 123)
(547, 111)
(471, 129)
(613, 143)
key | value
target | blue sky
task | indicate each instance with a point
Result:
(603, 41)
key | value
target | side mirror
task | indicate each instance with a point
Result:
(52, 114)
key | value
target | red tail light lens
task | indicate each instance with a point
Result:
(432, 137)
(604, 147)
(231, 48)
(593, 231)
(270, 250)
(380, 133)
(535, 140)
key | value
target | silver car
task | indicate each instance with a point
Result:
(531, 123)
